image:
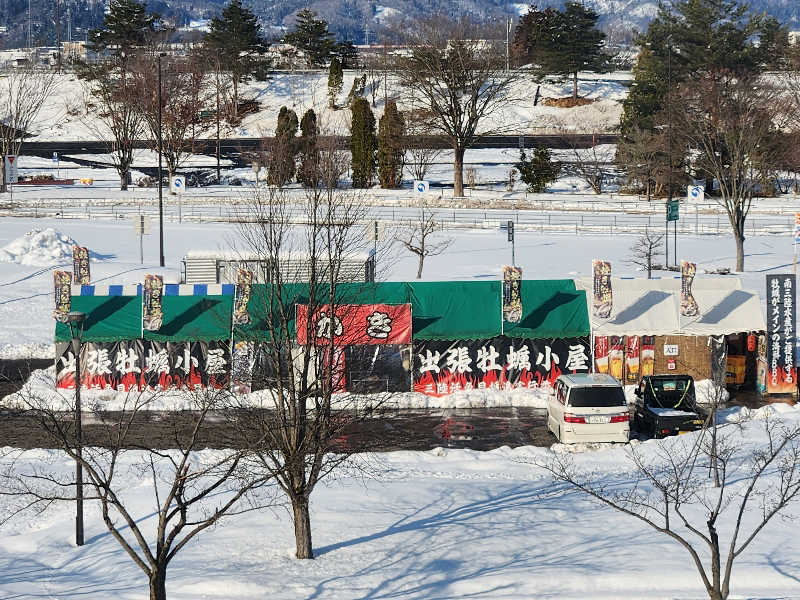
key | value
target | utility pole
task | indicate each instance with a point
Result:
(217, 115)
(30, 39)
(160, 191)
(669, 148)
(58, 36)
(508, 38)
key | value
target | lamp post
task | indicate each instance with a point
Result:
(75, 320)
(669, 149)
(160, 193)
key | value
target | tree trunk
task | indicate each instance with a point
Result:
(739, 237)
(302, 528)
(3, 187)
(123, 180)
(458, 171)
(575, 85)
(158, 583)
(419, 265)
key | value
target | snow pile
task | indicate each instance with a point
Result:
(39, 248)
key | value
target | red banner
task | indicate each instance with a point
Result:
(356, 324)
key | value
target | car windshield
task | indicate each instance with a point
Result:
(671, 393)
(597, 396)
(669, 385)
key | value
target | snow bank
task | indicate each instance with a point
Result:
(41, 386)
(39, 248)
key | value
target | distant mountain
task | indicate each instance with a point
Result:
(357, 20)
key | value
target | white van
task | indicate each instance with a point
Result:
(588, 407)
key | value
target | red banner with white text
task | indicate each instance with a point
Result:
(355, 324)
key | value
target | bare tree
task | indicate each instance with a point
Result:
(191, 490)
(590, 164)
(647, 247)
(118, 119)
(185, 93)
(309, 242)
(421, 150)
(642, 156)
(415, 236)
(22, 94)
(727, 123)
(458, 77)
(672, 493)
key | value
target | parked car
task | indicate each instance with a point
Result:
(666, 405)
(588, 408)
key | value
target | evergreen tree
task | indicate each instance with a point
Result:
(391, 131)
(284, 148)
(335, 81)
(537, 171)
(309, 153)
(311, 35)
(347, 54)
(234, 40)
(697, 37)
(561, 42)
(362, 144)
(126, 25)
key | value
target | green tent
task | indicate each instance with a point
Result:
(551, 308)
(108, 318)
(194, 319)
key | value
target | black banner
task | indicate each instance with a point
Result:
(781, 372)
(136, 364)
(499, 363)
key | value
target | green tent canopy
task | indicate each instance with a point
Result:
(194, 319)
(551, 308)
(108, 318)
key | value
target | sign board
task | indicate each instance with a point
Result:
(781, 313)
(141, 224)
(672, 210)
(421, 186)
(510, 228)
(796, 233)
(55, 157)
(12, 175)
(670, 349)
(355, 324)
(177, 184)
(695, 193)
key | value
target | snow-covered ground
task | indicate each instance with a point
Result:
(65, 116)
(438, 524)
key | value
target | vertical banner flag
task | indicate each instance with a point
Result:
(689, 307)
(80, 265)
(602, 300)
(152, 311)
(512, 294)
(796, 233)
(632, 358)
(781, 372)
(244, 286)
(62, 286)
(648, 355)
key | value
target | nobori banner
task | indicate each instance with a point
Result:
(136, 364)
(500, 363)
(355, 324)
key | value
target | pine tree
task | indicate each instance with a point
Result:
(308, 174)
(391, 131)
(362, 144)
(312, 37)
(284, 148)
(561, 42)
(335, 81)
(538, 170)
(126, 25)
(234, 39)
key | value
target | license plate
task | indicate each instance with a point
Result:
(598, 420)
(682, 432)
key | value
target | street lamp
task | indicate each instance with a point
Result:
(75, 320)
(160, 193)
(669, 149)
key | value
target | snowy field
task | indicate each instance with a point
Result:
(442, 524)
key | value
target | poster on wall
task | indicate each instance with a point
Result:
(512, 294)
(781, 372)
(152, 311)
(80, 265)
(689, 307)
(62, 288)
(244, 286)
(602, 296)
(632, 358)
(136, 364)
(601, 354)
(648, 355)
(500, 363)
(242, 362)
(355, 324)
(616, 356)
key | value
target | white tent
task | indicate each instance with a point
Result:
(652, 307)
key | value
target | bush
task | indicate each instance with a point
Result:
(537, 171)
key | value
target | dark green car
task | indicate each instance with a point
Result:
(666, 405)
